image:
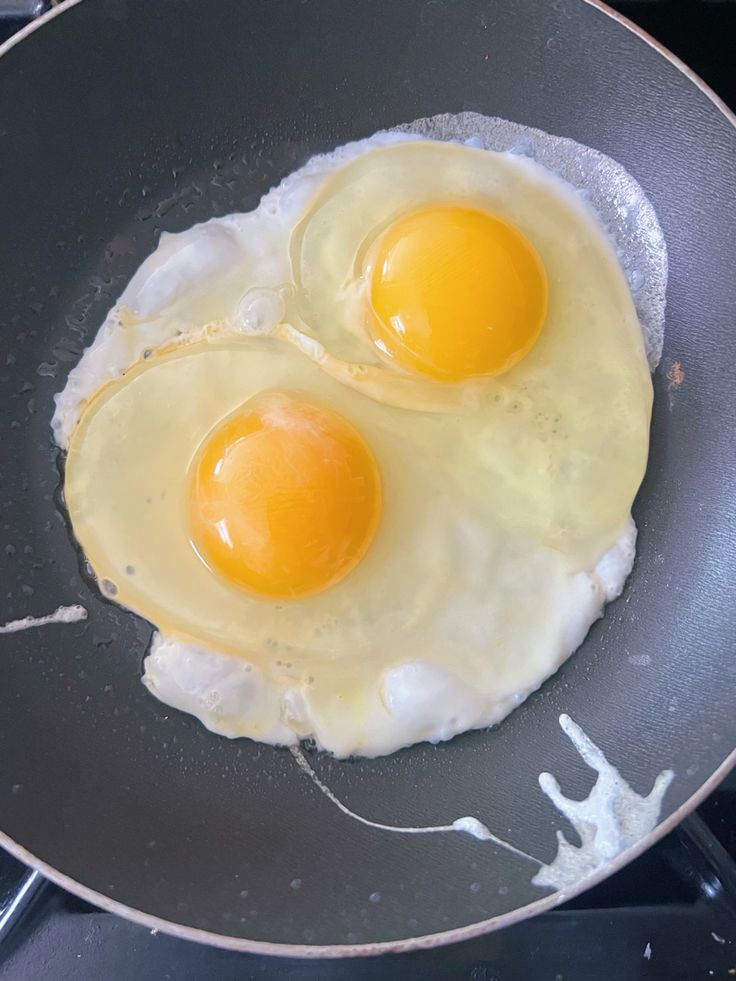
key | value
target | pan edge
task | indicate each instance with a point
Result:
(428, 941)
(407, 945)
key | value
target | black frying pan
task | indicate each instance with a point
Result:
(120, 118)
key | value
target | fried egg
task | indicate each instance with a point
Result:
(365, 456)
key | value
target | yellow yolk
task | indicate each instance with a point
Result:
(285, 497)
(456, 292)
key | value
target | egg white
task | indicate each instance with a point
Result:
(494, 605)
(414, 700)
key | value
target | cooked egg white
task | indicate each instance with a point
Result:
(497, 523)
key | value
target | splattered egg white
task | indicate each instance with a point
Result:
(366, 455)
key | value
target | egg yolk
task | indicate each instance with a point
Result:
(285, 497)
(456, 292)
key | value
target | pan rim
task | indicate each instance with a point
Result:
(428, 941)
(335, 951)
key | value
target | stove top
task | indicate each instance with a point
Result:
(669, 916)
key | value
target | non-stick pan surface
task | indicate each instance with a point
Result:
(119, 119)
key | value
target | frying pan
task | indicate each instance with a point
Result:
(119, 119)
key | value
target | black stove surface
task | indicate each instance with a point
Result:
(669, 916)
